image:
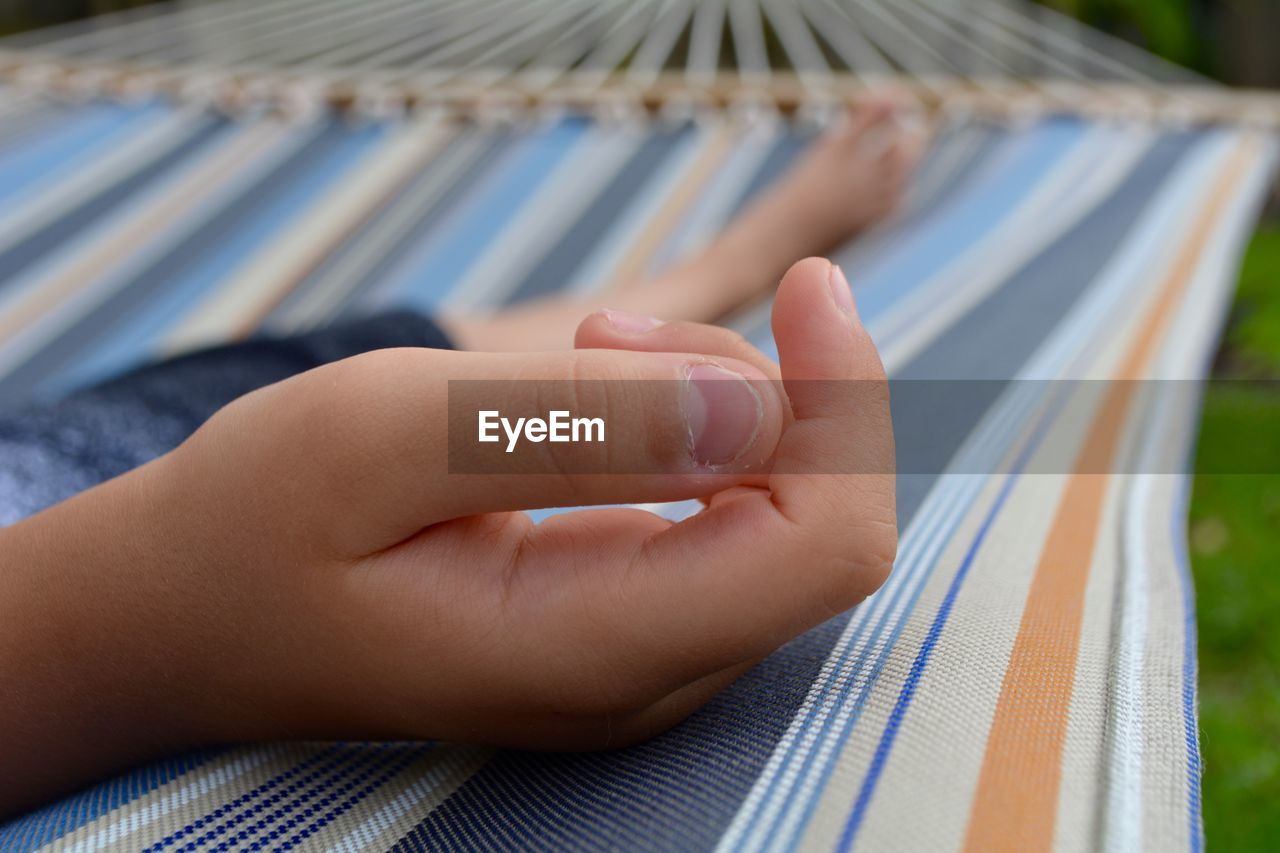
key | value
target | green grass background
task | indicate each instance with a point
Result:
(1235, 556)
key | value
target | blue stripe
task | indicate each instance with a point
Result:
(968, 216)
(436, 168)
(1190, 656)
(176, 282)
(559, 264)
(425, 279)
(56, 820)
(246, 797)
(410, 755)
(295, 796)
(59, 234)
(375, 288)
(1186, 583)
(942, 529)
(27, 122)
(1195, 768)
(789, 145)
(55, 152)
(948, 177)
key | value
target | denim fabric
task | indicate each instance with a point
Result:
(51, 451)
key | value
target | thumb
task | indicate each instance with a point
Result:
(762, 565)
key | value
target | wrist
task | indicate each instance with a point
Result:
(94, 654)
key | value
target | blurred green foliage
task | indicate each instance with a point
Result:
(1235, 555)
(1254, 338)
(1168, 28)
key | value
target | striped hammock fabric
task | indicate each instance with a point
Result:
(1025, 680)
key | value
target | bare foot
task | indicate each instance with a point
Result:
(851, 177)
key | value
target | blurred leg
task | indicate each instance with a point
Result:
(853, 176)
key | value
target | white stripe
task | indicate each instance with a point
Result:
(150, 211)
(597, 270)
(1124, 788)
(552, 210)
(1185, 352)
(1060, 200)
(203, 782)
(327, 293)
(51, 203)
(714, 206)
(257, 283)
(409, 800)
(950, 153)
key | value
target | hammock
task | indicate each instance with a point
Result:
(179, 175)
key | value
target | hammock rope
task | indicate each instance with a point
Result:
(995, 56)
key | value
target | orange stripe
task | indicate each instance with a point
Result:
(1015, 806)
(660, 226)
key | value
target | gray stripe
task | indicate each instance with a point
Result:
(488, 146)
(941, 185)
(80, 339)
(789, 145)
(558, 266)
(26, 121)
(57, 234)
(999, 334)
(941, 188)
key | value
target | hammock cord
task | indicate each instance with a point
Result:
(392, 55)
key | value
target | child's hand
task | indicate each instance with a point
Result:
(306, 565)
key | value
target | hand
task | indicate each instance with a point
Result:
(307, 566)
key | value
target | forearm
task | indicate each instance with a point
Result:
(92, 670)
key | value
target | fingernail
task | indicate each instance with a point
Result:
(723, 414)
(630, 323)
(840, 290)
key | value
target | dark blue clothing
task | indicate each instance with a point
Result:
(51, 451)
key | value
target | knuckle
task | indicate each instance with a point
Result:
(862, 565)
